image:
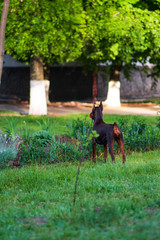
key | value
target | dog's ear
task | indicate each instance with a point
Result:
(101, 106)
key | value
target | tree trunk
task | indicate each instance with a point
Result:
(38, 103)
(113, 96)
(36, 68)
(47, 77)
(2, 33)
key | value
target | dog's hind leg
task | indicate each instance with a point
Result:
(105, 152)
(111, 145)
(121, 146)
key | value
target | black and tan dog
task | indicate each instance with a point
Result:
(108, 134)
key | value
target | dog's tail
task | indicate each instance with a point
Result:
(116, 129)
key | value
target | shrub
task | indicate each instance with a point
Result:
(139, 136)
(41, 138)
(37, 149)
(64, 152)
(43, 148)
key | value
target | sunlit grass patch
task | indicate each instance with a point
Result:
(112, 199)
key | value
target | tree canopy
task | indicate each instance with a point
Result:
(122, 31)
(95, 31)
(52, 29)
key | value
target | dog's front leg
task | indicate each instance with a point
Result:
(105, 152)
(94, 149)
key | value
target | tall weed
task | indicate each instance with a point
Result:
(11, 128)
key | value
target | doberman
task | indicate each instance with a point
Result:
(108, 134)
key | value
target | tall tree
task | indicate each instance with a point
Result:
(121, 33)
(2, 32)
(43, 32)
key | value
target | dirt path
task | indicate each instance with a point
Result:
(57, 109)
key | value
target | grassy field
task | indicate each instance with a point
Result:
(57, 125)
(114, 201)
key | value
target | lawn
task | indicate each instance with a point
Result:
(114, 201)
(57, 125)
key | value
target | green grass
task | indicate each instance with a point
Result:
(114, 201)
(8, 112)
(155, 100)
(58, 124)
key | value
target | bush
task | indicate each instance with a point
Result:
(64, 152)
(46, 149)
(41, 138)
(37, 149)
(139, 136)
(41, 147)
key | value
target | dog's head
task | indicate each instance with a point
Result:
(94, 110)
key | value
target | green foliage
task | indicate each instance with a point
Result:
(41, 138)
(121, 32)
(25, 132)
(11, 126)
(139, 136)
(51, 29)
(78, 127)
(46, 125)
(44, 148)
(37, 149)
(62, 152)
(48, 151)
(158, 122)
(39, 146)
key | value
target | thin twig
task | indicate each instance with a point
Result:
(78, 171)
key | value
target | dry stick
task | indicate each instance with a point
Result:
(78, 171)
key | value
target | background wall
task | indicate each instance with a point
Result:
(72, 83)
